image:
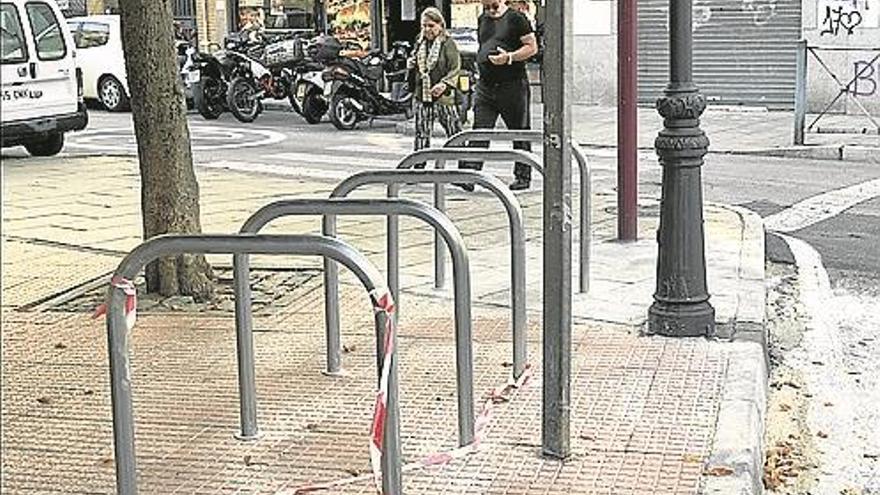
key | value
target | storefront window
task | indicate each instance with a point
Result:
(276, 14)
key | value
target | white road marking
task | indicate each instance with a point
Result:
(821, 207)
(338, 160)
(205, 138)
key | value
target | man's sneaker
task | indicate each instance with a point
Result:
(519, 185)
(466, 187)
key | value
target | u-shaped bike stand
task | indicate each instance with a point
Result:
(119, 339)
(585, 175)
(393, 178)
(342, 206)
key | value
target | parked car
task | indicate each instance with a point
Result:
(99, 40)
(40, 87)
(100, 56)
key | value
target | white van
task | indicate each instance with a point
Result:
(41, 96)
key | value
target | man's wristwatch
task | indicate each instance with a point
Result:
(510, 58)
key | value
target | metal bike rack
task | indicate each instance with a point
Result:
(517, 241)
(585, 173)
(344, 206)
(439, 156)
(118, 335)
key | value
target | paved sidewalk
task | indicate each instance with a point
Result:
(742, 130)
(649, 414)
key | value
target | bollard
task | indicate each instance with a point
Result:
(519, 318)
(118, 334)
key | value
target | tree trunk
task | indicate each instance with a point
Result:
(169, 190)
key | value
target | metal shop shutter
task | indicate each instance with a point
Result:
(744, 50)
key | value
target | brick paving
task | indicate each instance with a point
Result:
(643, 409)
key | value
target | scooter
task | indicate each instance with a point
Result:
(307, 96)
(354, 93)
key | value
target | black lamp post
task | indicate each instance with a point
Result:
(681, 302)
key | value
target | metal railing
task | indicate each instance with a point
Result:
(329, 208)
(804, 50)
(394, 178)
(119, 339)
(585, 175)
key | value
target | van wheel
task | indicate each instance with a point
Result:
(112, 94)
(48, 146)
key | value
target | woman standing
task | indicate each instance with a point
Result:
(436, 63)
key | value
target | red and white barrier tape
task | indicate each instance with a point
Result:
(130, 291)
(382, 302)
(495, 396)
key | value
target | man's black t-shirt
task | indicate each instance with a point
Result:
(505, 32)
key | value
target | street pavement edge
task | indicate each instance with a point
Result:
(735, 464)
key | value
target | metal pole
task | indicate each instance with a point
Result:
(393, 256)
(681, 301)
(118, 343)
(627, 120)
(244, 339)
(439, 252)
(586, 193)
(331, 307)
(557, 229)
(391, 458)
(800, 93)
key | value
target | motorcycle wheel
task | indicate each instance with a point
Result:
(314, 107)
(343, 113)
(242, 100)
(206, 100)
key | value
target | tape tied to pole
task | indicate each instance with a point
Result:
(128, 288)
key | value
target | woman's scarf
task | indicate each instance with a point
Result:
(427, 59)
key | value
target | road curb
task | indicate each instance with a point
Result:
(736, 462)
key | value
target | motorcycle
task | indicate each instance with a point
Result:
(215, 71)
(272, 75)
(353, 89)
(307, 94)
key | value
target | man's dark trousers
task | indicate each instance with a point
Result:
(509, 100)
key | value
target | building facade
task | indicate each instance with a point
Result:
(745, 51)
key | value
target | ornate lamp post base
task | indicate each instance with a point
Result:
(681, 320)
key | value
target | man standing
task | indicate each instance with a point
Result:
(507, 41)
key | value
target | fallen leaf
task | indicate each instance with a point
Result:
(718, 471)
(506, 364)
(60, 346)
(818, 363)
(784, 407)
(107, 461)
(589, 438)
(88, 392)
(311, 426)
(695, 458)
(829, 404)
(247, 460)
(348, 349)
(44, 400)
(821, 434)
(353, 472)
